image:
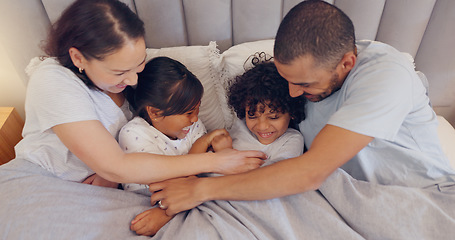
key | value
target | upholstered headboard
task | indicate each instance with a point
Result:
(422, 28)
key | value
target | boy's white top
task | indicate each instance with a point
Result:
(288, 145)
(139, 136)
(55, 95)
(384, 98)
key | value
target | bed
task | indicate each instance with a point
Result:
(215, 39)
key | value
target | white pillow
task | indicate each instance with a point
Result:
(202, 61)
(235, 61)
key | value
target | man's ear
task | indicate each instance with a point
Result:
(346, 64)
(77, 58)
(154, 114)
(348, 61)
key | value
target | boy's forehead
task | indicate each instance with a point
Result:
(263, 107)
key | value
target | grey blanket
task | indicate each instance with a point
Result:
(36, 205)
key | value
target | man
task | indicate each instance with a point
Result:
(364, 97)
(368, 113)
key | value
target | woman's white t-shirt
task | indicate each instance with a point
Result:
(55, 95)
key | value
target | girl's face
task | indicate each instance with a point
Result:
(267, 126)
(176, 126)
(118, 70)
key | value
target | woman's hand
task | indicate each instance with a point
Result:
(148, 223)
(231, 161)
(176, 195)
(96, 180)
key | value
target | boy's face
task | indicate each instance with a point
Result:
(267, 126)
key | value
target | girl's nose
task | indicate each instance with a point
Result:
(194, 117)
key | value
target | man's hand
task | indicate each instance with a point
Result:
(176, 195)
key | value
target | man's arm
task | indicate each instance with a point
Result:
(331, 148)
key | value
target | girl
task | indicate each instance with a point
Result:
(166, 105)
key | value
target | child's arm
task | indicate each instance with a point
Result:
(203, 143)
(96, 180)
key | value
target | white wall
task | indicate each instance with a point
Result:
(23, 26)
(12, 90)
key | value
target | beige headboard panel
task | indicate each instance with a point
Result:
(423, 28)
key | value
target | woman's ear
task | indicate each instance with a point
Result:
(154, 114)
(77, 58)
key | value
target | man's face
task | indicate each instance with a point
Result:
(305, 78)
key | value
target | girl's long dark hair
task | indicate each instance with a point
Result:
(167, 85)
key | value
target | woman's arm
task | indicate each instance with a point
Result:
(96, 147)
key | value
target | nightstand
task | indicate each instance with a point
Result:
(11, 125)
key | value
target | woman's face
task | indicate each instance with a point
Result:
(118, 70)
(267, 126)
(176, 126)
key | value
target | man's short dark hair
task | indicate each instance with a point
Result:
(314, 28)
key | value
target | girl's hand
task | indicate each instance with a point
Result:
(149, 222)
(221, 142)
(205, 142)
(215, 133)
(96, 180)
(231, 161)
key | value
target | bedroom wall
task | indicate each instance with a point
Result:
(12, 90)
(23, 25)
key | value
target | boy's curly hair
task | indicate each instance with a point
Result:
(263, 84)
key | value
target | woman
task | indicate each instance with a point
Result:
(99, 47)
